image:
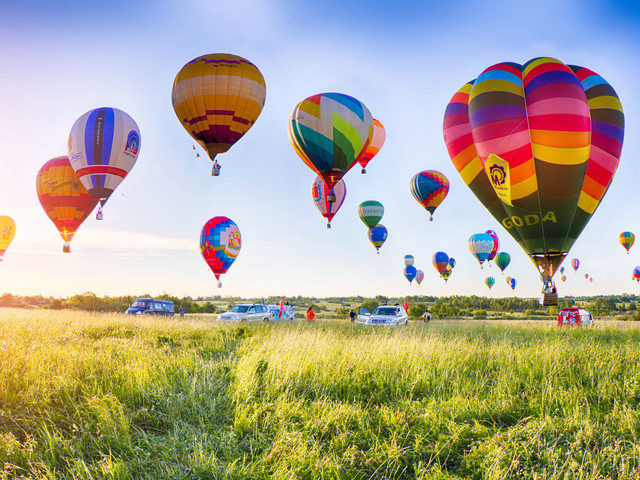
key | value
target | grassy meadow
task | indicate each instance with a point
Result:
(108, 396)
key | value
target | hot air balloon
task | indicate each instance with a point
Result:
(320, 194)
(489, 282)
(330, 132)
(63, 197)
(480, 246)
(575, 264)
(561, 270)
(627, 239)
(377, 236)
(370, 212)
(563, 278)
(410, 273)
(636, 274)
(103, 147)
(591, 279)
(419, 276)
(512, 283)
(440, 261)
(408, 260)
(586, 276)
(217, 98)
(220, 243)
(538, 144)
(7, 232)
(502, 260)
(447, 273)
(496, 245)
(377, 140)
(429, 188)
(452, 262)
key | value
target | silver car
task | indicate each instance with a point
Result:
(383, 315)
(246, 312)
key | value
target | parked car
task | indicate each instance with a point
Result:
(289, 312)
(151, 306)
(575, 317)
(247, 312)
(383, 315)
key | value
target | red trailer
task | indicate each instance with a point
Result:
(574, 317)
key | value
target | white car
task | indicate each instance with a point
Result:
(383, 315)
(246, 312)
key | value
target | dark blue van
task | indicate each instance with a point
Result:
(151, 306)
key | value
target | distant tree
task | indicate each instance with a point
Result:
(416, 310)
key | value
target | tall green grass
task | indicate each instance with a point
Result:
(108, 396)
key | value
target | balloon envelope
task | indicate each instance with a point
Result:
(440, 261)
(502, 260)
(410, 272)
(103, 147)
(330, 132)
(220, 243)
(489, 282)
(429, 188)
(419, 276)
(370, 212)
(7, 232)
(408, 260)
(377, 140)
(320, 196)
(496, 244)
(575, 264)
(452, 262)
(512, 283)
(217, 99)
(626, 240)
(636, 274)
(377, 236)
(63, 197)
(480, 245)
(538, 144)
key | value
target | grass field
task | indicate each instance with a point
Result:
(109, 396)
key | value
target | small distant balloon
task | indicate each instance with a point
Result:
(377, 236)
(626, 240)
(452, 262)
(429, 188)
(563, 278)
(7, 232)
(440, 261)
(410, 273)
(480, 246)
(408, 260)
(512, 283)
(320, 196)
(419, 276)
(636, 274)
(575, 264)
(370, 212)
(489, 282)
(502, 260)
(220, 243)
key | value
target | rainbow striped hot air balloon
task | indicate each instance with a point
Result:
(538, 144)
(7, 232)
(330, 132)
(377, 140)
(370, 212)
(217, 98)
(575, 264)
(626, 240)
(320, 196)
(63, 198)
(429, 188)
(220, 243)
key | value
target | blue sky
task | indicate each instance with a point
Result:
(404, 60)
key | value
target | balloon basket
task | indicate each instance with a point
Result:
(549, 299)
(219, 284)
(364, 170)
(215, 171)
(99, 215)
(66, 248)
(431, 219)
(328, 225)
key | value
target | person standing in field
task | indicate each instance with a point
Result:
(181, 311)
(310, 315)
(352, 316)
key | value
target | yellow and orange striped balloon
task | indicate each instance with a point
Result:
(217, 98)
(7, 232)
(63, 197)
